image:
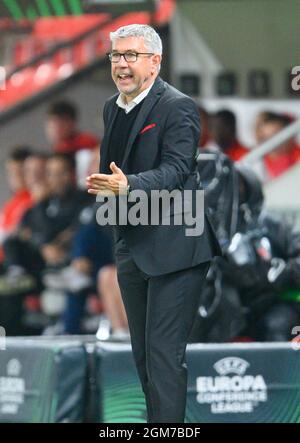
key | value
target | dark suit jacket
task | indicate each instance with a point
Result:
(160, 154)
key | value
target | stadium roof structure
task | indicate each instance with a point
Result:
(32, 9)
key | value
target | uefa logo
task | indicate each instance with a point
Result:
(233, 365)
(13, 368)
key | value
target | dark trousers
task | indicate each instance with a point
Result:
(23, 253)
(160, 311)
(74, 311)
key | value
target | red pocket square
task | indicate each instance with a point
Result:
(146, 128)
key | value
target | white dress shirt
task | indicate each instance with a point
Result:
(128, 107)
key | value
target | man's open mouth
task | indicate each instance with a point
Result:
(124, 76)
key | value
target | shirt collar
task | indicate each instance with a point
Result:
(128, 107)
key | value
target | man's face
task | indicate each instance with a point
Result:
(221, 133)
(34, 171)
(15, 175)
(268, 130)
(131, 78)
(59, 176)
(59, 128)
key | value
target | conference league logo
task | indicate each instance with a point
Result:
(12, 388)
(232, 390)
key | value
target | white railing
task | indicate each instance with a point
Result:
(271, 144)
(281, 195)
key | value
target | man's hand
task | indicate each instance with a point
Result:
(106, 184)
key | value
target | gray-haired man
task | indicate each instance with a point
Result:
(151, 137)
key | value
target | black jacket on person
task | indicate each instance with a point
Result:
(160, 155)
(53, 215)
(285, 243)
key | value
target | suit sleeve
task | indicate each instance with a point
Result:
(179, 145)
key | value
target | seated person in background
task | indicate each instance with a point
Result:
(259, 122)
(21, 199)
(62, 130)
(46, 230)
(224, 136)
(285, 155)
(92, 267)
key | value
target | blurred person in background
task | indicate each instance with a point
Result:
(224, 135)
(92, 269)
(107, 283)
(10, 216)
(21, 198)
(42, 240)
(205, 137)
(62, 129)
(261, 118)
(46, 229)
(284, 156)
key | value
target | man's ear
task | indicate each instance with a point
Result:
(156, 61)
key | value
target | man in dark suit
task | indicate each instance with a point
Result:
(151, 137)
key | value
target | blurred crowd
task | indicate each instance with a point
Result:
(57, 270)
(219, 131)
(57, 264)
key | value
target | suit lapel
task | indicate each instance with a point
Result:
(104, 168)
(149, 102)
(154, 94)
